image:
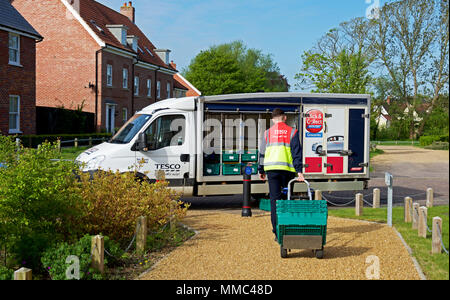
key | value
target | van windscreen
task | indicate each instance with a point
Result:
(130, 129)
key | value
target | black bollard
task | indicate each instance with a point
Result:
(247, 189)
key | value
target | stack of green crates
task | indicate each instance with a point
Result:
(231, 169)
(302, 217)
(230, 156)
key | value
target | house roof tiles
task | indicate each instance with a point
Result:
(11, 18)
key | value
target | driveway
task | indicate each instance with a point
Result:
(229, 247)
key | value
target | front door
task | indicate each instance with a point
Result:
(110, 117)
(168, 154)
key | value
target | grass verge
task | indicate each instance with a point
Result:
(434, 266)
(72, 153)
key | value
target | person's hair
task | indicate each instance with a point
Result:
(277, 112)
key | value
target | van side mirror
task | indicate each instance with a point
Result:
(142, 142)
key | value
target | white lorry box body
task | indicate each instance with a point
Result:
(200, 144)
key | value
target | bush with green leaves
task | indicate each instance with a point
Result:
(6, 274)
(37, 202)
(57, 260)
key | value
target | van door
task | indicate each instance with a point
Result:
(168, 151)
(313, 139)
(335, 132)
(357, 140)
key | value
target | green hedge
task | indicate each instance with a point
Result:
(427, 140)
(32, 141)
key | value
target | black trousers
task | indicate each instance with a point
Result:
(277, 181)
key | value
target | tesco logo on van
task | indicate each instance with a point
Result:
(314, 121)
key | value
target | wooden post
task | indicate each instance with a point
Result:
(23, 274)
(422, 230)
(376, 198)
(436, 245)
(58, 144)
(98, 253)
(90, 141)
(359, 204)
(415, 216)
(141, 235)
(408, 208)
(76, 143)
(430, 197)
(318, 195)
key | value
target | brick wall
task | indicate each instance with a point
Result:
(20, 81)
(65, 66)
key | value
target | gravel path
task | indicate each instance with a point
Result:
(229, 247)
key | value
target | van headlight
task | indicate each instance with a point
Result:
(94, 163)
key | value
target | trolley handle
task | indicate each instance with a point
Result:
(294, 180)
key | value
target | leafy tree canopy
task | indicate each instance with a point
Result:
(232, 68)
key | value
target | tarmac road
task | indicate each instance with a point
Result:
(414, 170)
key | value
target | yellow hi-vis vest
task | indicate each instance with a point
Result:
(278, 154)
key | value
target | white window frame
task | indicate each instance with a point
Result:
(168, 90)
(125, 78)
(158, 89)
(109, 75)
(149, 87)
(136, 85)
(124, 114)
(11, 62)
(17, 129)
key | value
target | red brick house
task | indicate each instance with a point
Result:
(96, 58)
(17, 72)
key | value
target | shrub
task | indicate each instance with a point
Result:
(112, 202)
(55, 258)
(6, 274)
(38, 202)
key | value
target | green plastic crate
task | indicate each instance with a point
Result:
(211, 169)
(302, 217)
(250, 157)
(264, 204)
(231, 169)
(230, 156)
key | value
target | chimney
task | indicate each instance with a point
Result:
(128, 11)
(173, 65)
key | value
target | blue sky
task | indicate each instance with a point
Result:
(283, 28)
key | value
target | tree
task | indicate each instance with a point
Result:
(232, 68)
(346, 73)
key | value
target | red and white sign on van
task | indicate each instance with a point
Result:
(314, 123)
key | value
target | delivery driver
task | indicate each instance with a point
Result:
(280, 158)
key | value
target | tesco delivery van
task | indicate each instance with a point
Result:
(201, 144)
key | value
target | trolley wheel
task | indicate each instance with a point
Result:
(283, 252)
(318, 253)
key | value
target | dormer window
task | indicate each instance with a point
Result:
(132, 41)
(119, 32)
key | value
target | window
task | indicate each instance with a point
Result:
(166, 131)
(14, 49)
(14, 114)
(109, 75)
(168, 90)
(136, 85)
(149, 87)
(124, 114)
(125, 78)
(158, 90)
